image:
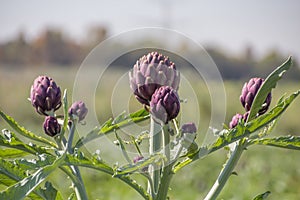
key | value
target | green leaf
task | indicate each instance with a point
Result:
(267, 86)
(130, 168)
(11, 141)
(49, 192)
(275, 112)
(262, 196)
(12, 153)
(287, 142)
(65, 109)
(97, 164)
(11, 172)
(111, 125)
(21, 130)
(90, 163)
(24, 187)
(239, 132)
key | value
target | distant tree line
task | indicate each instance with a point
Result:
(53, 47)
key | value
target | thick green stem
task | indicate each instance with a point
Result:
(167, 169)
(226, 171)
(154, 146)
(78, 185)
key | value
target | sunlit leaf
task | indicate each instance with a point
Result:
(16, 143)
(262, 196)
(12, 153)
(111, 125)
(287, 142)
(240, 131)
(21, 130)
(101, 166)
(130, 168)
(269, 83)
(10, 174)
(24, 187)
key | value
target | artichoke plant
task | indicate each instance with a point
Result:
(149, 73)
(165, 104)
(45, 95)
(249, 92)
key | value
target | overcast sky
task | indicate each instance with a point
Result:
(231, 24)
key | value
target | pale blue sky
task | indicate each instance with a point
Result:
(231, 24)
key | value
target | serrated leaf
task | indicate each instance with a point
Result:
(49, 192)
(262, 196)
(101, 166)
(21, 130)
(12, 153)
(10, 173)
(109, 126)
(16, 143)
(24, 187)
(90, 163)
(130, 168)
(287, 142)
(267, 86)
(32, 164)
(240, 131)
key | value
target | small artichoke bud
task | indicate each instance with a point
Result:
(189, 128)
(78, 109)
(51, 126)
(249, 92)
(45, 95)
(137, 159)
(149, 73)
(236, 118)
(189, 134)
(165, 104)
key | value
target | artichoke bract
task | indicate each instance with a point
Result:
(189, 128)
(78, 109)
(149, 73)
(51, 126)
(45, 95)
(249, 92)
(165, 104)
(235, 120)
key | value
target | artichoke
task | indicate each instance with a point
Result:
(45, 95)
(165, 104)
(149, 73)
(51, 126)
(189, 128)
(249, 92)
(78, 109)
(235, 120)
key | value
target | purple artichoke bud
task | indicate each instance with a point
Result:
(149, 73)
(165, 104)
(245, 116)
(137, 159)
(45, 95)
(235, 120)
(78, 109)
(189, 128)
(249, 91)
(51, 126)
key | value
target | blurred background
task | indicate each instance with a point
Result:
(244, 39)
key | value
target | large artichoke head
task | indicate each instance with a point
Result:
(151, 72)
